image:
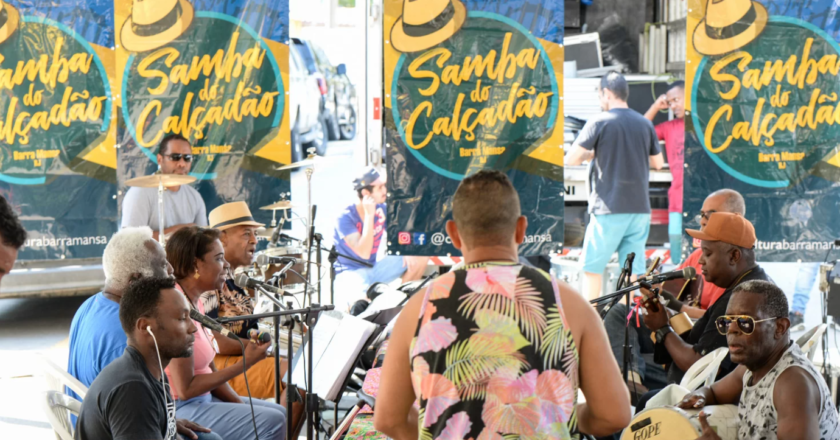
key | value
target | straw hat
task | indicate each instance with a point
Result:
(729, 25)
(232, 214)
(154, 23)
(9, 21)
(427, 23)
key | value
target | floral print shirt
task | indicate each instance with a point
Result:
(228, 302)
(494, 357)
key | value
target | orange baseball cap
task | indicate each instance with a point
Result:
(728, 228)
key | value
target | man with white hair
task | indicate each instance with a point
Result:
(96, 335)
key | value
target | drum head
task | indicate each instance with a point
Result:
(662, 424)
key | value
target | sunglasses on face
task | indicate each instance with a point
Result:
(746, 324)
(704, 215)
(175, 157)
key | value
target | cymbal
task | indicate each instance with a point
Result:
(154, 180)
(283, 204)
(308, 162)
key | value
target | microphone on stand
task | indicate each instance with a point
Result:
(266, 260)
(276, 234)
(243, 281)
(312, 225)
(688, 273)
(289, 238)
(211, 324)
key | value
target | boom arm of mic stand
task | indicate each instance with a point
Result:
(356, 260)
(615, 295)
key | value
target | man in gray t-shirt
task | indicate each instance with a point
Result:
(621, 146)
(183, 205)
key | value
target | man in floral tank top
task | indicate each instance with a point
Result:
(497, 348)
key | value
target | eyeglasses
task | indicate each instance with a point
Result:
(745, 323)
(704, 215)
(175, 157)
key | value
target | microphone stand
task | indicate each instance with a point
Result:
(278, 279)
(310, 315)
(623, 280)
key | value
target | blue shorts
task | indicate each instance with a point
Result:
(609, 233)
(352, 285)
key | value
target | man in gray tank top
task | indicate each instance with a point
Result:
(779, 392)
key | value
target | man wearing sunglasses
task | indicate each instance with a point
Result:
(727, 260)
(183, 206)
(779, 392)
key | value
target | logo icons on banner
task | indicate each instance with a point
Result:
(766, 95)
(404, 238)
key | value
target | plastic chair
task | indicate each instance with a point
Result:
(704, 371)
(808, 341)
(57, 378)
(58, 407)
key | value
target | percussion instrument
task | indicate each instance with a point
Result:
(672, 423)
(160, 181)
(286, 251)
(308, 162)
(283, 204)
(156, 180)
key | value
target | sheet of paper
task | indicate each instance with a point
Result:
(323, 332)
(344, 348)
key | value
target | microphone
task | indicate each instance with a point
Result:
(688, 273)
(259, 336)
(312, 225)
(289, 238)
(243, 281)
(211, 324)
(266, 260)
(276, 234)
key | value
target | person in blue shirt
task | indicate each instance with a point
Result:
(358, 234)
(96, 334)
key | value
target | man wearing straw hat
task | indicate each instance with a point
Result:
(239, 238)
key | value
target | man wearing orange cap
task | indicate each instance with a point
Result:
(647, 374)
(727, 259)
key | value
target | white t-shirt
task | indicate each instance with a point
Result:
(140, 208)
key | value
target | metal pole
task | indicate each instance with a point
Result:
(290, 387)
(161, 236)
(367, 84)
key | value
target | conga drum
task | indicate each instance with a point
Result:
(672, 423)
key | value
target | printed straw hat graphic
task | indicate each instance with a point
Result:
(729, 25)
(154, 23)
(9, 21)
(427, 23)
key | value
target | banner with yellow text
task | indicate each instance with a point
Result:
(764, 118)
(57, 127)
(472, 85)
(215, 72)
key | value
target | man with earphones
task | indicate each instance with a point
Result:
(130, 398)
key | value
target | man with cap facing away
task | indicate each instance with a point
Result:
(358, 234)
(727, 260)
(238, 234)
